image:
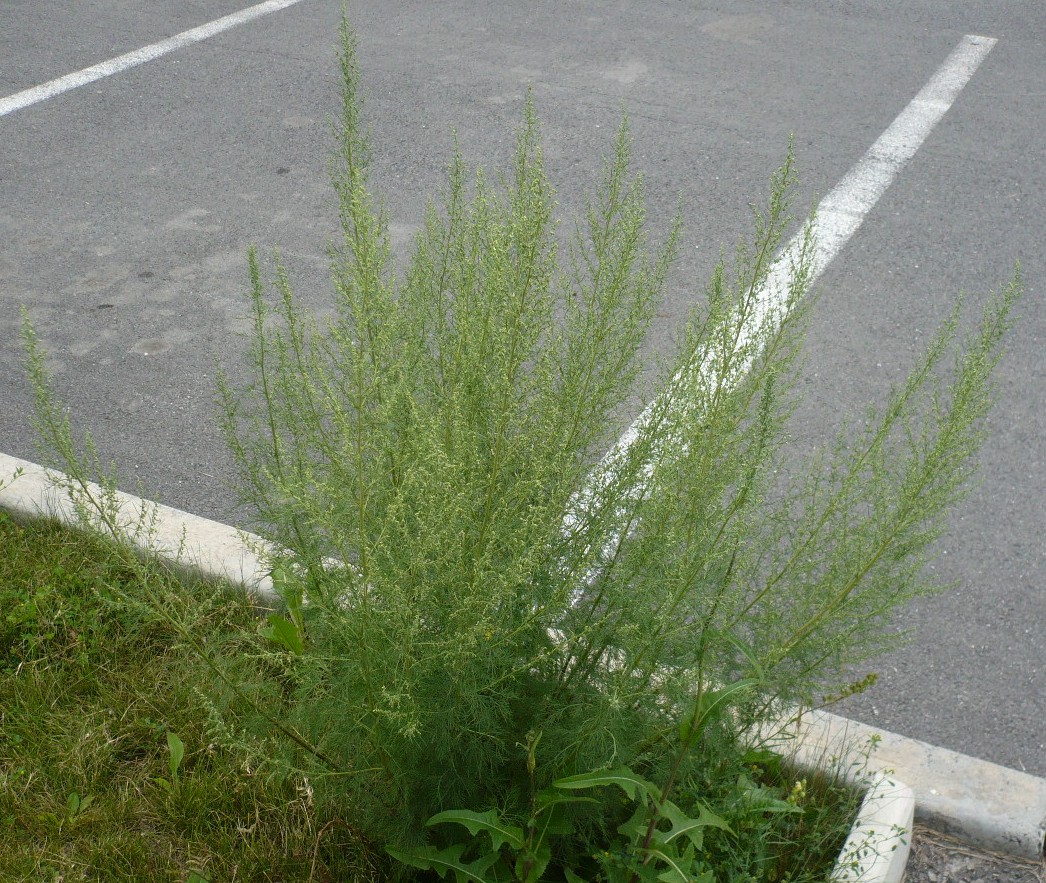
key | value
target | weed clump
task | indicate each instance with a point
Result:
(484, 615)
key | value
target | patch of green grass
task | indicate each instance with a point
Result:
(110, 768)
(95, 695)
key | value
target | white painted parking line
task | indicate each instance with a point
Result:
(842, 211)
(139, 56)
(839, 215)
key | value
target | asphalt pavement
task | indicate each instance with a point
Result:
(127, 206)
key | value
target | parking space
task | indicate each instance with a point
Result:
(45, 41)
(126, 208)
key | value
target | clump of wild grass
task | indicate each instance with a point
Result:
(93, 694)
(466, 576)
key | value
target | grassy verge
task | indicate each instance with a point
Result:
(110, 768)
(96, 696)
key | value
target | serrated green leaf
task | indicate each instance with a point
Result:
(711, 704)
(291, 592)
(550, 817)
(687, 862)
(636, 827)
(499, 830)
(763, 757)
(678, 866)
(549, 814)
(177, 753)
(282, 631)
(745, 649)
(539, 861)
(781, 807)
(632, 784)
(442, 861)
(644, 873)
(547, 799)
(686, 826)
(686, 723)
(764, 800)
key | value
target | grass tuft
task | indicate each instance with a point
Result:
(90, 688)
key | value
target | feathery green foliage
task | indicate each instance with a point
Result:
(437, 440)
(465, 572)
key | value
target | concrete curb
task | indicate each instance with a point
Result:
(881, 838)
(199, 545)
(983, 803)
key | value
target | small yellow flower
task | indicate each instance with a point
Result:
(798, 794)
